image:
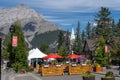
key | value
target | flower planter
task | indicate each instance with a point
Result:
(99, 69)
(107, 78)
(23, 72)
(89, 78)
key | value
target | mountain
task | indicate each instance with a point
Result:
(50, 38)
(45, 38)
(32, 22)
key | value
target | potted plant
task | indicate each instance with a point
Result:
(98, 68)
(108, 76)
(88, 76)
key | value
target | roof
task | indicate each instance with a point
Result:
(35, 53)
(90, 44)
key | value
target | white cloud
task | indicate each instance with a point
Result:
(66, 24)
(76, 5)
(69, 5)
(55, 20)
(49, 17)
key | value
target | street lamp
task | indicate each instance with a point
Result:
(12, 30)
(0, 54)
(106, 50)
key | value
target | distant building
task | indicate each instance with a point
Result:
(72, 36)
(89, 48)
(72, 39)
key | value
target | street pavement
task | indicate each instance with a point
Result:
(11, 75)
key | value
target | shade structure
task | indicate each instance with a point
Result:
(81, 58)
(73, 56)
(52, 55)
(35, 53)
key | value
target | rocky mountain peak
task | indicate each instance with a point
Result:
(32, 22)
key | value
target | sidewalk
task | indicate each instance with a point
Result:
(26, 76)
(11, 75)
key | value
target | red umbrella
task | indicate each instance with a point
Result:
(73, 56)
(52, 55)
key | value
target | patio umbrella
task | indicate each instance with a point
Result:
(73, 56)
(81, 58)
(52, 55)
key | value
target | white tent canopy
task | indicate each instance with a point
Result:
(35, 53)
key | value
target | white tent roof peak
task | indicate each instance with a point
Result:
(35, 53)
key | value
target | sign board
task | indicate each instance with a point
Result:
(14, 41)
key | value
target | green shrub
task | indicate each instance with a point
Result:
(87, 74)
(109, 74)
(18, 66)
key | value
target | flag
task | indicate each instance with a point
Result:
(106, 48)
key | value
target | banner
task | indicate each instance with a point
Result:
(106, 48)
(14, 41)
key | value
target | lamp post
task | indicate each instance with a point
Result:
(0, 54)
(106, 50)
(12, 30)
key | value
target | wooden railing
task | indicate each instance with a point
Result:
(51, 70)
(79, 69)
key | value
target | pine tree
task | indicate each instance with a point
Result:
(6, 49)
(93, 33)
(103, 20)
(67, 42)
(100, 56)
(77, 46)
(118, 28)
(115, 45)
(88, 31)
(44, 48)
(83, 36)
(20, 52)
(62, 52)
(114, 29)
(60, 39)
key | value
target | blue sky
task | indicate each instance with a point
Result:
(66, 13)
